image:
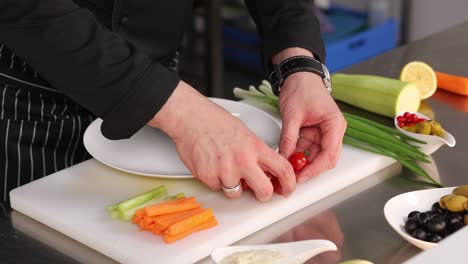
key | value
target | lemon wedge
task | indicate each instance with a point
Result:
(422, 75)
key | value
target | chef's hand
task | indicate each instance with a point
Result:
(218, 148)
(311, 119)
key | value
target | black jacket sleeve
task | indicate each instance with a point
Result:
(98, 69)
(287, 23)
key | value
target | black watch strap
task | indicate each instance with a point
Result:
(279, 72)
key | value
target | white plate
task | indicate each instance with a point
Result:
(397, 209)
(150, 152)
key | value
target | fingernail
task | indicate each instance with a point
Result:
(284, 155)
(302, 180)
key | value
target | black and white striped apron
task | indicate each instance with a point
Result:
(41, 129)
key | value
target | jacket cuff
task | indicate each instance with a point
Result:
(306, 35)
(141, 105)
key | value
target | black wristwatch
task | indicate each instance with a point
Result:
(279, 72)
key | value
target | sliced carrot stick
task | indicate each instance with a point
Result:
(164, 221)
(173, 206)
(156, 231)
(189, 222)
(452, 83)
(139, 214)
(147, 227)
(146, 221)
(208, 224)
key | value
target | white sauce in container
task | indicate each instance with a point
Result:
(253, 257)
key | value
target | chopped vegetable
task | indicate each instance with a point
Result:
(125, 209)
(209, 224)
(452, 83)
(164, 221)
(178, 205)
(142, 198)
(376, 94)
(189, 222)
(174, 219)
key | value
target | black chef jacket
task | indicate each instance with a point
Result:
(105, 54)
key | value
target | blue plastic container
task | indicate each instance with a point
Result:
(241, 47)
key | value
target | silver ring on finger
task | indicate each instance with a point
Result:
(232, 189)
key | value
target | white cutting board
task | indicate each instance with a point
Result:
(73, 201)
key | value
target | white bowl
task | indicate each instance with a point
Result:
(397, 209)
(433, 142)
(292, 252)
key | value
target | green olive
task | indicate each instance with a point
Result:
(461, 190)
(424, 128)
(412, 128)
(443, 200)
(456, 203)
(436, 128)
(466, 219)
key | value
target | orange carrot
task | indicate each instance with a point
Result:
(164, 221)
(173, 206)
(189, 222)
(139, 214)
(205, 225)
(452, 83)
(149, 227)
(146, 221)
(156, 231)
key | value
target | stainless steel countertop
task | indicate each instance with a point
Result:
(352, 218)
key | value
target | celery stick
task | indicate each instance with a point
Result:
(177, 196)
(128, 214)
(142, 198)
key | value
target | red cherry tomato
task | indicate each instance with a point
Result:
(276, 185)
(298, 161)
(274, 181)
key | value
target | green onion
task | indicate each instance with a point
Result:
(374, 140)
(385, 128)
(372, 130)
(361, 133)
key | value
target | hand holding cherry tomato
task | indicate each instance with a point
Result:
(298, 161)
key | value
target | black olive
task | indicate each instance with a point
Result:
(410, 225)
(453, 218)
(437, 209)
(423, 218)
(434, 238)
(435, 225)
(437, 217)
(455, 227)
(413, 214)
(419, 234)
